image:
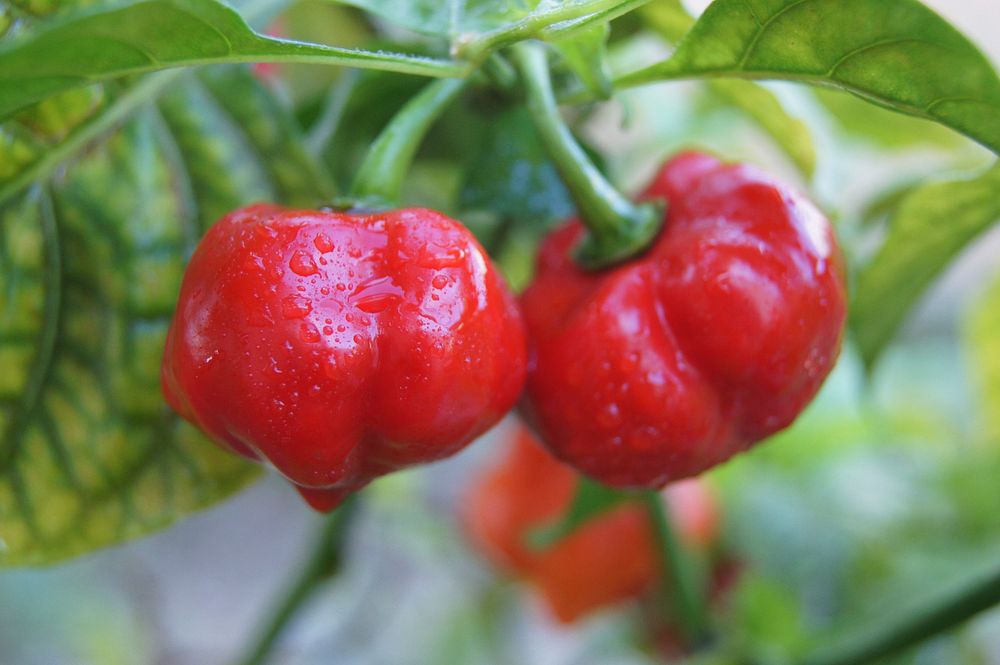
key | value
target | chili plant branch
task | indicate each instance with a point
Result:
(323, 563)
(681, 583)
(476, 46)
(380, 178)
(618, 228)
(915, 623)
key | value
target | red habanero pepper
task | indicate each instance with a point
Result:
(608, 560)
(340, 347)
(715, 338)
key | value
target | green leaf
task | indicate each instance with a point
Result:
(886, 202)
(514, 188)
(931, 226)
(982, 335)
(275, 138)
(146, 36)
(898, 54)
(882, 127)
(591, 499)
(762, 106)
(362, 106)
(91, 264)
(61, 113)
(18, 148)
(765, 618)
(511, 175)
(42, 158)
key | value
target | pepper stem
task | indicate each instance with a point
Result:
(618, 229)
(680, 582)
(379, 181)
(323, 563)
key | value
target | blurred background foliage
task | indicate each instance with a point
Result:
(885, 490)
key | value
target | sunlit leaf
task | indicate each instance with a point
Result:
(899, 54)
(113, 41)
(881, 127)
(983, 340)
(930, 227)
(886, 202)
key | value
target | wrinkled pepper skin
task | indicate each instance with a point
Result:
(340, 347)
(609, 560)
(713, 339)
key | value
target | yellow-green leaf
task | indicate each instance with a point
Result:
(898, 54)
(931, 226)
(90, 267)
(983, 344)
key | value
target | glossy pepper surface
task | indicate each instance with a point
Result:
(340, 347)
(714, 338)
(608, 560)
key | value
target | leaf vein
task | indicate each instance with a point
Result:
(753, 12)
(871, 47)
(151, 59)
(958, 98)
(42, 364)
(225, 39)
(752, 44)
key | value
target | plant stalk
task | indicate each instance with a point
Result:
(476, 47)
(618, 228)
(323, 562)
(380, 179)
(681, 583)
(915, 624)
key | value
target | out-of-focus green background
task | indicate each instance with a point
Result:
(886, 489)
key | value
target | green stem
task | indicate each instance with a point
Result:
(618, 228)
(476, 47)
(500, 72)
(568, 28)
(380, 179)
(680, 581)
(323, 563)
(916, 624)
